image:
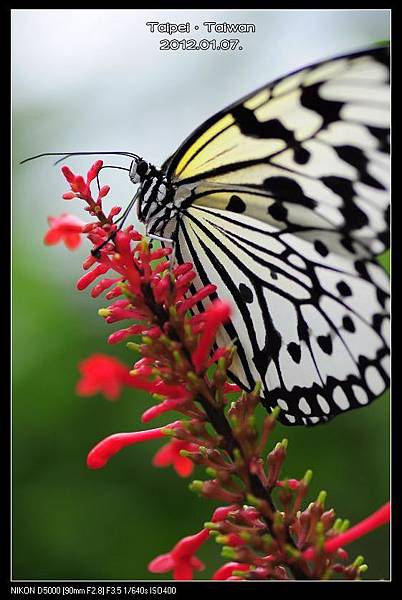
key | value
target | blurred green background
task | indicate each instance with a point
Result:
(89, 79)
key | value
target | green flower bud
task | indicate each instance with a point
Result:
(229, 552)
(196, 486)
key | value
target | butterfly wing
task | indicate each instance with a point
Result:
(310, 149)
(312, 329)
(287, 204)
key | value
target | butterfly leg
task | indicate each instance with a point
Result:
(164, 240)
(159, 238)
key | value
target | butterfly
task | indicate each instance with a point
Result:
(281, 200)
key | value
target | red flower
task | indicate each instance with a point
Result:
(162, 407)
(125, 260)
(170, 455)
(222, 512)
(81, 187)
(65, 228)
(215, 315)
(181, 559)
(102, 373)
(226, 570)
(380, 517)
(102, 452)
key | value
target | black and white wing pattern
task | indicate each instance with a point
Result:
(286, 205)
(312, 328)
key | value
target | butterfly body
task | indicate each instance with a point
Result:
(282, 202)
(160, 202)
(155, 201)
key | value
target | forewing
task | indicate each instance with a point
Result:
(310, 150)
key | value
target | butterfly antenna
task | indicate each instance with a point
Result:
(109, 167)
(95, 252)
(65, 155)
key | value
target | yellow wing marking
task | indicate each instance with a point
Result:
(206, 137)
(257, 100)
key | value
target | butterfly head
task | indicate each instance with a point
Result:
(139, 170)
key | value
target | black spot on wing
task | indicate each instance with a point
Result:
(249, 125)
(278, 211)
(272, 129)
(356, 157)
(302, 329)
(377, 321)
(348, 324)
(246, 292)
(325, 343)
(329, 110)
(294, 351)
(287, 189)
(348, 245)
(382, 136)
(236, 204)
(343, 289)
(384, 238)
(321, 248)
(381, 297)
(361, 268)
(301, 155)
(354, 217)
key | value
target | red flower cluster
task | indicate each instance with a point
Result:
(181, 559)
(81, 188)
(146, 290)
(378, 518)
(183, 562)
(183, 369)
